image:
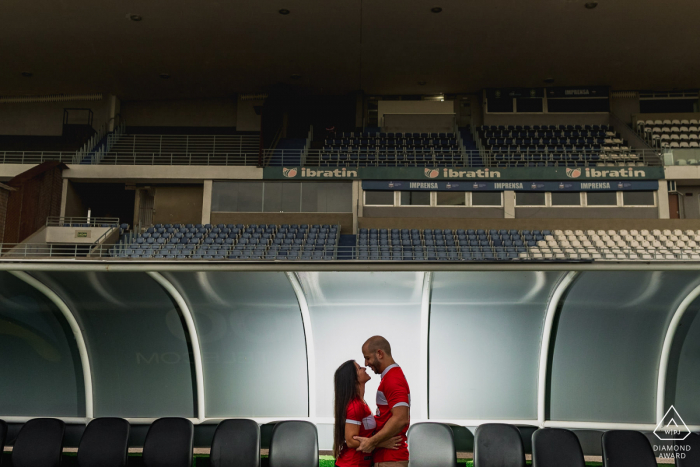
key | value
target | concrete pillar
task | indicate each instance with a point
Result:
(662, 199)
(356, 203)
(509, 204)
(206, 202)
(64, 197)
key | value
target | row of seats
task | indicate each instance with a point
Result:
(670, 133)
(485, 128)
(170, 441)
(388, 135)
(229, 241)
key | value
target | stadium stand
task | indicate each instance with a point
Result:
(556, 145)
(228, 241)
(391, 149)
(670, 133)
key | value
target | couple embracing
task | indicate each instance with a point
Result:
(361, 439)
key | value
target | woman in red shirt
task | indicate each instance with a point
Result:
(353, 417)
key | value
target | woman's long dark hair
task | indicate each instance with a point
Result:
(346, 389)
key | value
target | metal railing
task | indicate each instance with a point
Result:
(35, 157)
(349, 253)
(54, 221)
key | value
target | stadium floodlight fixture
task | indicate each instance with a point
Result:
(591, 5)
(284, 11)
(436, 9)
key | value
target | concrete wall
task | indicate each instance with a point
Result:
(178, 204)
(70, 234)
(46, 118)
(74, 206)
(344, 219)
(434, 211)
(625, 107)
(246, 118)
(530, 224)
(191, 112)
(413, 107)
(690, 201)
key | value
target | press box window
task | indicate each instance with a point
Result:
(601, 198)
(379, 198)
(566, 199)
(448, 198)
(529, 199)
(638, 198)
(415, 198)
(486, 198)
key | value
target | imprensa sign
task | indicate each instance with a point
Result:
(469, 173)
(409, 185)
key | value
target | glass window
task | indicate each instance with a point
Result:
(333, 197)
(281, 197)
(566, 199)
(638, 198)
(486, 198)
(529, 199)
(449, 198)
(601, 198)
(237, 196)
(415, 198)
(379, 198)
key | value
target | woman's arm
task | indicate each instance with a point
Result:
(351, 430)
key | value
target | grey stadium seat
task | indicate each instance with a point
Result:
(555, 447)
(105, 443)
(692, 455)
(3, 435)
(431, 445)
(236, 443)
(169, 443)
(498, 445)
(626, 448)
(294, 444)
(39, 443)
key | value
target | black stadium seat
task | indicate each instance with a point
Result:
(626, 448)
(169, 443)
(294, 444)
(692, 455)
(498, 445)
(3, 435)
(39, 443)
(236, 443)
(105, 443)
(431, 445)
(555, 447)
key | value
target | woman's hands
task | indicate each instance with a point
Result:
(391, 443)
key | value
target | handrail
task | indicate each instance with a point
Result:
(57, 221)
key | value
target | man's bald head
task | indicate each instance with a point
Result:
(375, 343)
(377, 353)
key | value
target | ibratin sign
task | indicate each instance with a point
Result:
(463, 173)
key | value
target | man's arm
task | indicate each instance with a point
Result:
(399, 419)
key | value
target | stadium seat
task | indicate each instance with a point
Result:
(104, 443)
(169, 443)
(294, 444)
(498, 445)
(554, 447)
(626, 448)
(236, 443)
(39, 443)
(3, 435)
(692, 455)
(431, 445)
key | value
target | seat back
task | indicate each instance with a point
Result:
(39, 443)
(431, 445)
(3, 435)
(169, 443)
(626, 448)
(498, 445)
(554, 447)
(294, 444)
(692, 455)
(105, 443)
(236, 443)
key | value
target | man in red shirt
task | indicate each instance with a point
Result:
(393, 405)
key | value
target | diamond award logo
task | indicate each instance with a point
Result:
(671, 427)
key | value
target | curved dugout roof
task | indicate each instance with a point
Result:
(470, 343)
